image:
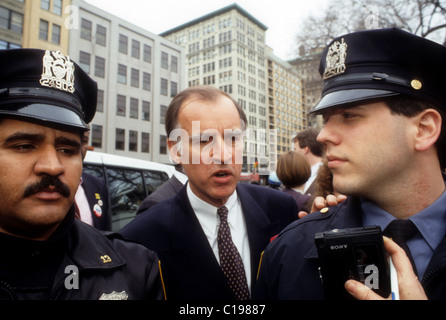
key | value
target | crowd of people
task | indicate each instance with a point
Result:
(378, 160)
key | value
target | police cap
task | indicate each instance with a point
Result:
(376, 64)
(46, 87)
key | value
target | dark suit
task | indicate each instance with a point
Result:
(163, 192)
(97, 195)
(189, 267)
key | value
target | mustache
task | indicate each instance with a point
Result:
(45, 183)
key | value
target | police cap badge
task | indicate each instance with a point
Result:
(46, 87)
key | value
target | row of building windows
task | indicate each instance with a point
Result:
(44, 31)
(11, 20)
(137, 141)
(56, 7)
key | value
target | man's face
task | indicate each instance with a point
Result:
(40, 170)
(215, 177)
(368, 148)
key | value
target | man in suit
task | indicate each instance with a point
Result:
(92, 202)
(165, 191)
(190, 231)
(306, 143)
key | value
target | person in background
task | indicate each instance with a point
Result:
(46, 103)
(293, 170)
(91, 199)
(306, 143)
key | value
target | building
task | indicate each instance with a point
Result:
(226, 49)
(137, 73)
(307, 67)
(287, 112)
(34, 24)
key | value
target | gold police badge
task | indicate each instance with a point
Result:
(335, 60)
(58, 71)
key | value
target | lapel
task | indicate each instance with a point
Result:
(258, 225)
(194, 266)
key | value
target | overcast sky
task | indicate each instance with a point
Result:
(282, 17)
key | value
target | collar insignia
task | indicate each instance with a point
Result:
(58, 71)
(336, 55)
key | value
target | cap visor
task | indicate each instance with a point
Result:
(343, 97)
(47, 115)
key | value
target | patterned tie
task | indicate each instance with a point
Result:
(400, 231)
(230, 260)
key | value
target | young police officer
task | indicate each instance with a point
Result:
(46, 101)
(383, 103)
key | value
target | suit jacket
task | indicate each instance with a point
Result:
(189, 267)
(97, 195)
(165, 191)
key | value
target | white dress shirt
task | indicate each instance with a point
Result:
(209, 221)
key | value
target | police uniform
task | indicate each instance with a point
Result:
(357, 68)
(77, 261)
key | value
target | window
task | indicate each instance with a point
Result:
(174, 64)
(123, 41)
(133, 140)
(16, 23)
(122, 74)
(146, 110)
(120, 139)
(145, 142)
(164, 87)
(134, 108)
(100, 103)
(134, 80)
(43, 30)
(120, 105)
(163, 145)
(84, 61)
(173, 89)
(164, 60)
(57, 7)
(55, 34)
(96, 136)
(146, 81)
(135, 49)
(163, 111)
(86, 29)
(147, 53)
(99, 67)
(45, 5)
(101, 35)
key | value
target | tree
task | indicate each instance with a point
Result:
(426, 18)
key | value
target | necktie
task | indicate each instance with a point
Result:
(400, 231)
(230, 260)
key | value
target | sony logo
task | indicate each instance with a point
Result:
(338, 247)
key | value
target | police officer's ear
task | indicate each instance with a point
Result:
(427, 129)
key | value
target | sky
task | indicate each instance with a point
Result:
(282, 17)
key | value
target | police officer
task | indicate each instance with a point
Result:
(46, 103)
(383, 103)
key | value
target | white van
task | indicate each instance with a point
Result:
(129, 181)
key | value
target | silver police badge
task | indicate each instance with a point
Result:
(58, 71)
(335, 61)
(114, 296)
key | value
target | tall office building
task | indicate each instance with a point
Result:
(226, 49)
(137, 73)
(287, 112)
